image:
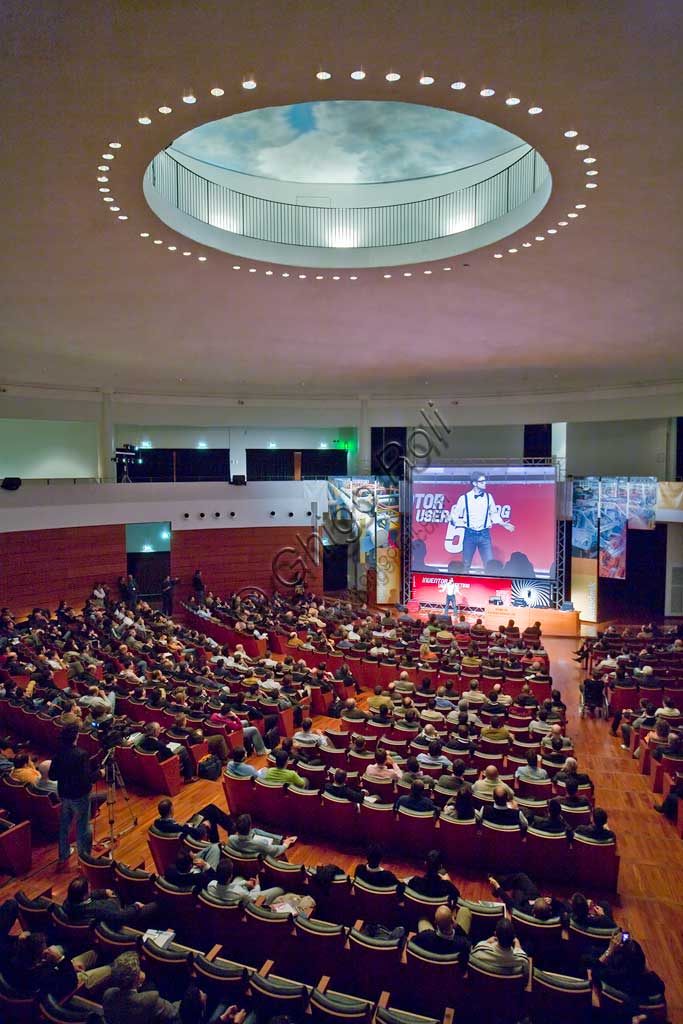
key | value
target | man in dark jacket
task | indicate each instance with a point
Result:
(71, 770)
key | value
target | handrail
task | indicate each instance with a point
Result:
(393, 224)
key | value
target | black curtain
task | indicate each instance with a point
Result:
(642, 595)
(270, 464)
(388, 447)
(317, 463)
(151, 466)
(538, 440)
(155, 465)
(335, 567)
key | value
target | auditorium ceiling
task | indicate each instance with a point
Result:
(98, 293)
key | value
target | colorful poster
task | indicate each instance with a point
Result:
(363, 513)
(585, 588)
(670, 501)
(642, 501)
(585, 505)
(613, 527)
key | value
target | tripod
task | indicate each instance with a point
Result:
(114, 779)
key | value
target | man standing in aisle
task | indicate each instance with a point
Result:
(167, 588)
(476, 512)
(71, 770)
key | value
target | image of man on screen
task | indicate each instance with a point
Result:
(476, 512)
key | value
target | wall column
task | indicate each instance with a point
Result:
(364, 444)
(105, 440)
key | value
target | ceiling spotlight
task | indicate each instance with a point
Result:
(392, 76)
(353, 277)
(202, 259)
(387, 276)
(158, 241)
(252, 270)
(591, 184)
(269, 273)
(535, 110)
(458, 85)
(144, 120)
(165, 110)
(497, 255)
(302, 277)
(407, 273)
(172, 248)
(447, 268)
(236, 266)
(526, 245)
(358, 75)
(540, 238)
(589, 159)
(217, 91)
(103, 167)
(582, 146)
(189, 97)
(426, 80)
(114, 209)
(122, 216)
(562, 223)
(144, 234)
(513, 250)
(104, 189)
(248, 83)
(580, 206)
(102, 177)
(114, 145)
(284, 275)
(187, 253)
(551, 231)
(571, 134)
(426, 271)
(323, 76)
(335, 277)
(487, 92)
(512, 101)
(572, 215)
(108, 199)
(319, 277)
(591, 174)
(107, 156)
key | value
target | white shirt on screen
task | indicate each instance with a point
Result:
(481, 508)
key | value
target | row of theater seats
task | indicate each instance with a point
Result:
(412, 833)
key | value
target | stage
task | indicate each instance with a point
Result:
(553, 622)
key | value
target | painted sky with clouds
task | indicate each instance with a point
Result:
(346, 141)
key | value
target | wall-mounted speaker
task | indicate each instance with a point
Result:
(11, 483)
(217, 515)
(232, 515)
(202, 515)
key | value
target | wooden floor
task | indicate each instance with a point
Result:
(650, 901)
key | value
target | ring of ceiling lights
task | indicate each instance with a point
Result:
(580, 149)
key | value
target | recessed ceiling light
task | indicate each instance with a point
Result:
(407, 273)
(487, 92)
(589, 159)
(392, 76)
(202, 259)
(571, 134)
(535, 110)
(447, 268)
(269, 273)
(582, 146)
(122, 216)
(114, 145)
(591, 184)
(172, 248)
(102, 177)
(144, 234)
(158, 241)
(108, 199)
(540, 238)
(591, 174)
(335, 277)
(426, 80)
(217, 91)
(302, 277)
(426, 271)
(387, 276)
(248, 83)
(551, 231)
(165, 110)
(319, 277)
(358, 75)
(114, 209)
(513, 250)
(284, 275)
(189, 97)
(252, 270)
(580, 206)
(104, 189)
(458, 85)
(497, 255)
(187, 252)
(562, 223)
(353, 277)
(323, 76)
(103, 167)
(107, 156)
(144, 120)
(512, 101)
(572, 215)
(526, 245)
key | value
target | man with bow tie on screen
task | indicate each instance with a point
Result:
(476, 512)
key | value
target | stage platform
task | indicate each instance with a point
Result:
(553, 622)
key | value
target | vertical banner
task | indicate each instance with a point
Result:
(585, 511)
(642, 501)
(613, 527)
(388, 542)
(585, 588)
(363, 513)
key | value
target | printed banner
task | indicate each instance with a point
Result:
(585, 505)
(613, 527)
(585, 588)
(363, 512)
(642, 501)
(670, 501)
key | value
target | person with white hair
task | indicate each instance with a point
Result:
(44, 784)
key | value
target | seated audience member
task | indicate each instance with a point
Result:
(383, 768)
(531, 771)
(194, 1008)
(37, 969)
(44, 783)
(668, 709)
(411, 773)
(646, 718)
(433, 756)
(587, 913)
(454, 780)
(497, 730)
(669, 805)
(83, 905)
(151, 744)
(518, 892)
(228, 888)
(202, 825)
(503, 810)
(435, 881)
(253, 841)
(193, 871)
(623, 966)
(372, 871)
(24, 770)
(416, 800)
(552, 821)
(124, 1003)
(672, 748)
(350, 710)
(555, 733)
(487, 782)
(570, 771)
(341, 789)
(540, 726)
(237, 764)
(597, 830)
(448, 934)
(572, 798)
(308, 738)
(502, 952)
(460, 806)
(525, 698)
(281, 773)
